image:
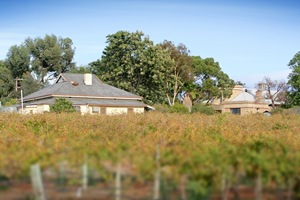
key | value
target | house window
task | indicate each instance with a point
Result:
(103, 110)
(95, 109)
(77, 108)
(235, 111)
(129, 110)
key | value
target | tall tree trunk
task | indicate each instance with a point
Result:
(175, 92)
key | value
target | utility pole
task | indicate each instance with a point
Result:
(19, 86)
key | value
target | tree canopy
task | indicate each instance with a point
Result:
(180, 70)
(294, 79)
(275, 90)
(6, 83)
(210, 81)
(29, 84)
(132, 62)
(18, 60)
(50, 54)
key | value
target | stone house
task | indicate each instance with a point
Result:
(243, 101)
(88, 95)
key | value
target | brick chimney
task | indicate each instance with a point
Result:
(258, 96)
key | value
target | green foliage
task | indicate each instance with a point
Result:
(179, 108)
(163, 108)
(18, 60)
(50, 54)
(81, 70)
(203, 109)
(131, 62)
(62, 105)
(212, 82)
(180, 70)
(294, 79)
(278, 111)
(10, 102)
(6, 83)
(176, 108)
(29, 84)
(199, 147)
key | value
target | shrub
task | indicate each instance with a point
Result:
(10, 102)
(163, 108)
(179, 108)
(62, 105)
(203, 109)
(277, 111)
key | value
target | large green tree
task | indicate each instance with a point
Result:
(132, 62)
(294, 80)
(18, 60)
(180, 70)
(50, 54)
(6, 83)
(29, 84)
(210, 81)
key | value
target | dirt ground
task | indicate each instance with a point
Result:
(23, 191)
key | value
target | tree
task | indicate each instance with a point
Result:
(210, 81)
(18, 60)
(95, 67)
(180, 70)
(62, 105)
(275, 90)
(6, 83)
(81, 70)
(29, 84)
(132, 62)
(50, 54)
(294, 80)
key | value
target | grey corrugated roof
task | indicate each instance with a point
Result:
(98, 102)
(65, 88)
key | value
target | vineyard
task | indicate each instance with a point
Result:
(195, 156)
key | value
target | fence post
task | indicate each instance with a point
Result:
(157, 174)
(258, 186)
(224, 186)
(62, 175)
(118, 182)
(85, 175)
(37, 184)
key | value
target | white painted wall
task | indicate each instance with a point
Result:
(84, 109)
(138, 110)
(116, 111)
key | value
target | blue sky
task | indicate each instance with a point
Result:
(249, 39)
